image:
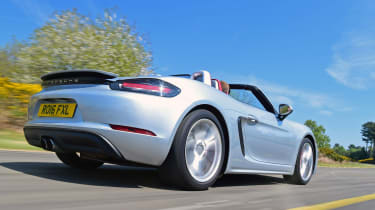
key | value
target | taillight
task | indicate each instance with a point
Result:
(150, 86)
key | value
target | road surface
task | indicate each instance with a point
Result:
(37, 180)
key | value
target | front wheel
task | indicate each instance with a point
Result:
(304, 165)
(75, 161)
(197, 153)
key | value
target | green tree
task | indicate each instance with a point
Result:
(368, 135)
(357, 152)
(322, 140)
(73, 41)
(8, 58)
(340, 149)
(4, 63)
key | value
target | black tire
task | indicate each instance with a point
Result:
(174, 170)
(296, 178)
(74, 161)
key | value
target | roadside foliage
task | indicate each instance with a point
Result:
(319, 131)
(14, 99)
(330, 153)
(337, 152)
(70, 41)
(368, 160)
(368, 136)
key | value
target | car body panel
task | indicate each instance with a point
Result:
(271, 146)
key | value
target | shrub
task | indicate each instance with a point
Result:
(14, 99)
(330, 153)
(368, 160)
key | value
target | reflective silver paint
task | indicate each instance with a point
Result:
(271, 146)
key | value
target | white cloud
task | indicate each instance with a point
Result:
(278, 94)
(325, 112)
(278, 99)
(354, 62)
(311, 99)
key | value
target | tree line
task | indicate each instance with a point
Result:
(353, 152)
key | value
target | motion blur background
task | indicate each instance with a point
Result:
(317, 56)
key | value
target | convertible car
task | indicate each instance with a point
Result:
(184, 125)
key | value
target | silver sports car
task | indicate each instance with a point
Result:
(184, 125)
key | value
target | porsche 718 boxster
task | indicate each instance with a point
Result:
(184, 125)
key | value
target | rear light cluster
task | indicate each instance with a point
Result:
(149, 86)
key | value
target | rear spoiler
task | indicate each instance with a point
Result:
(69, 77)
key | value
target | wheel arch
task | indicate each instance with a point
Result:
(224, 126)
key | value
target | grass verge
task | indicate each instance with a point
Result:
(345, 165)
(14, 140)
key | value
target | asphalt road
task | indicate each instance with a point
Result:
(34, 180)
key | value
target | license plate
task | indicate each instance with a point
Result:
(57, 110)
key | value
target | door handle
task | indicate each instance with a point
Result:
(251, 120)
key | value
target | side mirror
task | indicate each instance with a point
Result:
(284, 111)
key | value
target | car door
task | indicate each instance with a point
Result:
(265, 138)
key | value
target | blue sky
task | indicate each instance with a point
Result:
(318, 56)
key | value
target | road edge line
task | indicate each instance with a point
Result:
(337, 203)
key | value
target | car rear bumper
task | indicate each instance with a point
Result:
(67, 140)
(101, 141)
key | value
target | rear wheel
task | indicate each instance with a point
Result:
(304, 165)
(197, 153)
(75, 161)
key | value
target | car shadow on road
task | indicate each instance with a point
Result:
(247, 180)
(122, 176)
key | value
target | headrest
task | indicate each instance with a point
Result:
(216, 84)
(203, 76)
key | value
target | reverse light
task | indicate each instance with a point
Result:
(132, 130)
(149, 86)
